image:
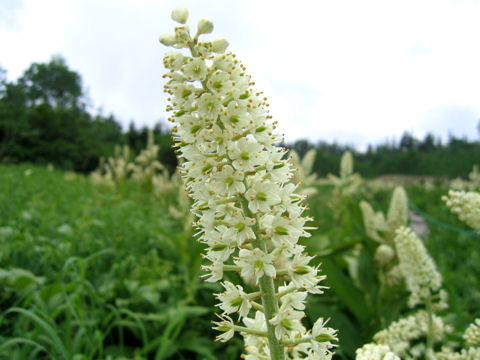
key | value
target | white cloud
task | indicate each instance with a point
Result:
(355, 71)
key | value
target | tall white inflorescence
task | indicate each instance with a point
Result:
(421, 275)
(248, 214)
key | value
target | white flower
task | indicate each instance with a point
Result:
(220, 45)
(304, 276)
(261, 196)
(228, 181)
(320, 333)
(256, 346)
(294, 299)
(195, 69)
(242, 227)
(219, 82)
(234, 299)
(281, 231)
(322, 337)
(246, 155)
(215, 268)
(221, 241)
(255, 264)
(226, 326)
(287, 322)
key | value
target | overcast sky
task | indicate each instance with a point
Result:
(357, 72)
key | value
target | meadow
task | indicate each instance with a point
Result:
(90, 271)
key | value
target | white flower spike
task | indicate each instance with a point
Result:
(248, 214)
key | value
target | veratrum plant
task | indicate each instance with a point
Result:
(248, 213)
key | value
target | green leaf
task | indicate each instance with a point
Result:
(352, 297)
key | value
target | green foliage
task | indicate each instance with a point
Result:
(358, 303)
(89, 274)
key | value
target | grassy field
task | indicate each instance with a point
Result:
(94, 273)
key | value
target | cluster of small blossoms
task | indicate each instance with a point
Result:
(472, 340)
(463, 354)
(472, 334)
(375, 352)
(248, 214)
(400, 334)
(421, 275)
(466, 205)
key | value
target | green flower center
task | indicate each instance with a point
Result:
(240, 226)
(280, 230)
(261, 196)
(287, 324)
(236, 302)
(302, 270)
(258, 264)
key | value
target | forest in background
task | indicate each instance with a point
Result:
(45, 119)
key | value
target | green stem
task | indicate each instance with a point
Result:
(269, 299)
(249, 331)
(257, 306)
(270, 306)
(430, 324)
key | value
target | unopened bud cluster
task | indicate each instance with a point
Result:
(421, 275)
(248, 214)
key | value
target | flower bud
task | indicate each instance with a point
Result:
(346, 165)
(168, 39)
(220, 45)
(398, 211)
(384, 254)
(205, 26)
(180, 15)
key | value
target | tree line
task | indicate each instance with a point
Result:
(409, 156)
(44, 118)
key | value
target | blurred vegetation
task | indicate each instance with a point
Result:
(409, 156)
(45, 118)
